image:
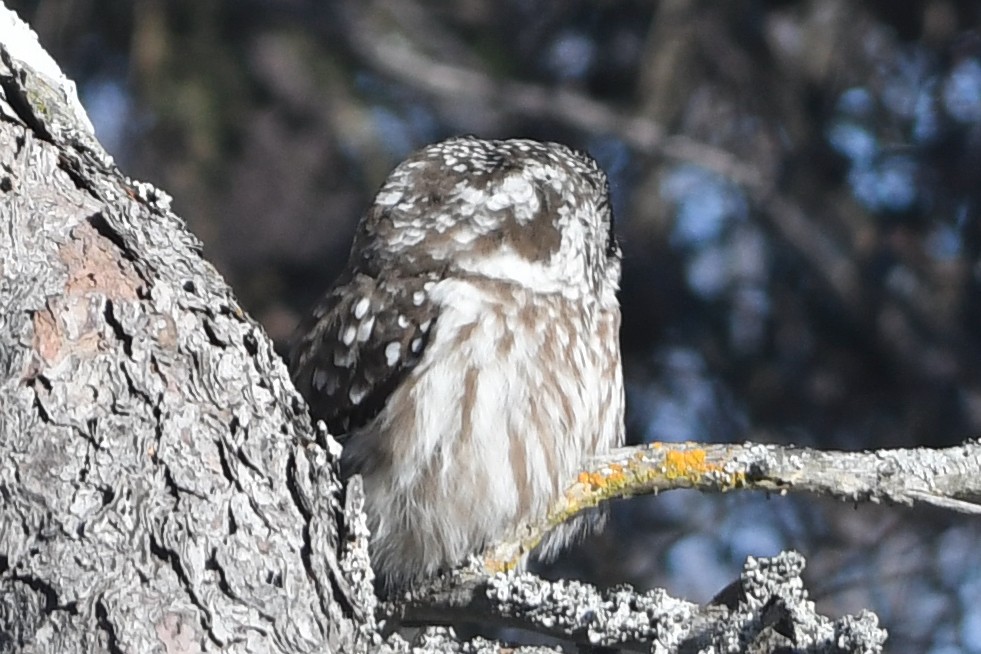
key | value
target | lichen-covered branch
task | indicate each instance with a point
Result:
(768, 608)
(948, 478)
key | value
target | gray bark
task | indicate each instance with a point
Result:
(160, 488)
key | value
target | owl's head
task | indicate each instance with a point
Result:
(520, 211)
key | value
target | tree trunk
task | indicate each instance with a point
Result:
(161, 489)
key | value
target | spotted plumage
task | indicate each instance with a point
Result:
(469, 354)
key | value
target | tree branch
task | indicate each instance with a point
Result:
(947, 478)
(768, 608)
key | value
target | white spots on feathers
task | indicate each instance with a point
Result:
(350, 332)
(465, 236)
(471, 195)
(416, 345)
(392, 352)
(403, 322)
(388, 198)
(364, 330)
(418, 298)
(514, 192)
(357, 393)
(361, 308)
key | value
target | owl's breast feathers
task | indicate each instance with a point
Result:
(482, 424)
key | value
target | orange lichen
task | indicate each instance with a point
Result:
(687, 463)
(604, 480)
(693, 464)
(617, 475)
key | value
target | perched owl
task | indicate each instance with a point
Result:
(469, 354)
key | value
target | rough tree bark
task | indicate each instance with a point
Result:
(161, 487)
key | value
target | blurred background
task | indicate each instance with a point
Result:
(797, 190)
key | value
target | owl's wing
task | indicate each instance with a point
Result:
(362, 339)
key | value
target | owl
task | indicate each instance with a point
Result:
(468, 356)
